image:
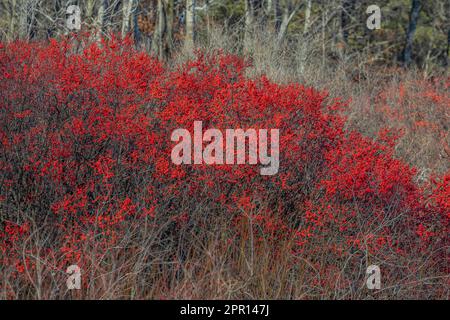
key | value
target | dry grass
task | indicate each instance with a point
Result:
(358, 79)
(152, 262)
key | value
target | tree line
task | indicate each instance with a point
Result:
(412, 32)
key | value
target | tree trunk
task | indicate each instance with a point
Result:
(269, 7)
(12, 21)
(447, 59)
(208, 18)
(127, 7)
(101, 19)
(307, 18)
(288, 14)
(348, 6)
(24, 10)
(277, 14)
(158, 35)
(303, 50)
(249, 22)
(416, 6)
(284, 24)
(189, 40)
(168, 39)
(89, 9)
(136, 31)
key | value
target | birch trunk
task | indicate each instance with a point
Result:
(101, 19)
(12, 21)
(127, 8)
(189, 40)
(24, 8)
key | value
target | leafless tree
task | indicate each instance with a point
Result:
(189, 40)
(416, 6)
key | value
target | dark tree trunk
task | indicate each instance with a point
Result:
(136, 31)
(277, 14)
(348, 7)
(447, 62)
(416, 6)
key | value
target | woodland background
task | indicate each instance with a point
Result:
(413, 32)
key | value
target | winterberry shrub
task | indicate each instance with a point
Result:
(85, 164)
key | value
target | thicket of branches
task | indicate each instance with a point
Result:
(412, 32)
(87, 179)
(85, 171)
